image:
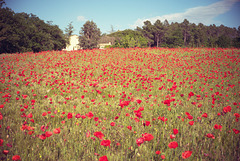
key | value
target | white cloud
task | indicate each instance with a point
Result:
(203, 14)
(81, 18)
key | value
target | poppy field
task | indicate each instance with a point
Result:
(121, 104)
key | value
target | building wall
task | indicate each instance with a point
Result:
(74, 43)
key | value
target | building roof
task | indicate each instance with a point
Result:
(106, 39)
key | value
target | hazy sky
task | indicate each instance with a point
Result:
(127, 14)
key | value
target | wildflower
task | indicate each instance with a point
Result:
(129, 127)
(48, 133)
(157, 152)
(16, 157)
(191, 123)
(209, 135)
(69, 116)
(139, 141)
(216, 126)
(205, 115)
(175, 131)
(186, 154)
(106, 142)
(98, 134)
(173, 145)
(147, 137)
(112, 123)
(57, 130)
(103, 158)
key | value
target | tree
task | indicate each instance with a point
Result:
(186, 27)
(89, 35)
(148, 32)
(174, 37)
(128, 38)
(224, 41)
(236, 40)
(68, 32)
(22, 32)
(158, 31)
(69, 29)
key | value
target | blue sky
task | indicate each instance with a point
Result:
(127, 14)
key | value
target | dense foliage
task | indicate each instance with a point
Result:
(89, 35)
(22, 32)
(128, 39)
(188, 34)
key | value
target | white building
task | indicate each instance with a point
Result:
(74, 43)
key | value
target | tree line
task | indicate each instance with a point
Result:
(185, 34)
(22, 32)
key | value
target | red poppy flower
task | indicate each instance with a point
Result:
(1, 106)
(89, 115)
(237, 115)
(172, 136)
(139, 101)
(205, 115)
(158, 152)
(190, 94)
(227, 109)
(112, 123)
(98, 134)
(24, 96)
(190, 117)
(175, 131)
(147, 137)
(216, 126)
(30, 115)
(186, 154)
(78, 116)
(69, 116)
(16, 157)
(106, 142)
(173, 145)
(209, 135)
(44, 113)
(48, 133)
(163, 156)
(191, 123)
(1, 117)
(236, 131)
(103, 158)
(129, 127)
(167, 102)
(57, 130)
(42, 137)
(1, 142)
(147, 123)
(139, 141)
(5, 152)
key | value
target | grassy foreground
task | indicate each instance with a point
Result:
(121, 104)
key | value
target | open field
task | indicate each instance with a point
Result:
(121, 104)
